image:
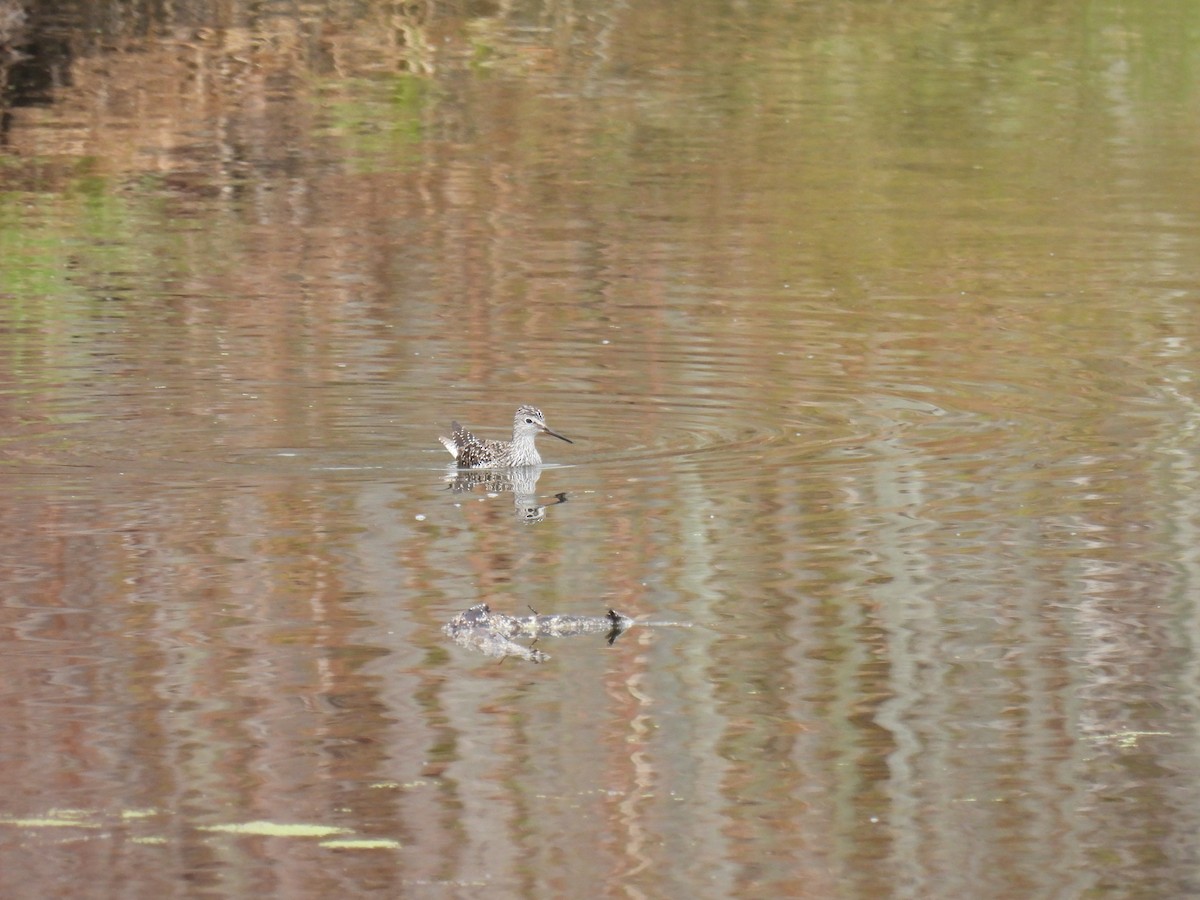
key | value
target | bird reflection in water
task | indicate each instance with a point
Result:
(521, 481)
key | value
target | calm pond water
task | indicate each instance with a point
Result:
(874, 327)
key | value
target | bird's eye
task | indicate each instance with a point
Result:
(528, 421)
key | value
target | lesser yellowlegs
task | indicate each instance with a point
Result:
(479, 453)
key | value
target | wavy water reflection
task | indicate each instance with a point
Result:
(873, 325)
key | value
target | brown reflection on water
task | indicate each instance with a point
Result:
(177, 666)
(874, 327)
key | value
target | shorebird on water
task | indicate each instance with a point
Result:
(473, 452)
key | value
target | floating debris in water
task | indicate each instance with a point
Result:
(494, 634)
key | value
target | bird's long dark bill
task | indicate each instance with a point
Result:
(557, 435)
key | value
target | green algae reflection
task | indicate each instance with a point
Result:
(277, 829)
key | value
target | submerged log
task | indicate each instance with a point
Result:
(494, 634)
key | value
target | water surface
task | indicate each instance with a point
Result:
(874, 328)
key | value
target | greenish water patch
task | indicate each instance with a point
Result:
(276, 829)
(380, 124)
(54, 818)
(364, 844)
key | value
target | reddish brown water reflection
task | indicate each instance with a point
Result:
(874, 329)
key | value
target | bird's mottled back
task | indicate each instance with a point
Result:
(473, 452)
